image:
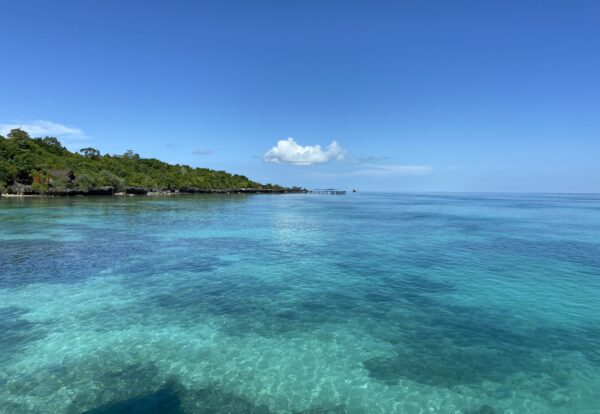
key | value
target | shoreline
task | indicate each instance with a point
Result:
(135, 191)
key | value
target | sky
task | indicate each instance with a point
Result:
(492, 96)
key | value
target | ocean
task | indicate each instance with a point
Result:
(362, 303)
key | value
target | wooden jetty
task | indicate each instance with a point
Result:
(328, 191)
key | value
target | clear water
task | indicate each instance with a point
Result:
(365, 303)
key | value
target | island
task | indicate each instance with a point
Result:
(43, 166)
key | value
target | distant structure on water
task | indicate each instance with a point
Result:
(329, 191)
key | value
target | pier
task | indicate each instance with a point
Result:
(328, 191)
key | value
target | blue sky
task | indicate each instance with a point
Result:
(414, 95)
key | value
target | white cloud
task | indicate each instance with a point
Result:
(375, 170)
(290, 152)
(367, 159)
(203, 152)
(43, 129)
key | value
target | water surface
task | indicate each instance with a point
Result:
(364, 303)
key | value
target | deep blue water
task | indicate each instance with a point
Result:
(364, 303)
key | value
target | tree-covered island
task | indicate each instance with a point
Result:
(43, 166)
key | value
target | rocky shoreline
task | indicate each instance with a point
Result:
(28, 191)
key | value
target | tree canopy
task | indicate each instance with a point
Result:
(45, 163)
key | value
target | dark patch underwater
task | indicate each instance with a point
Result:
(16, 332)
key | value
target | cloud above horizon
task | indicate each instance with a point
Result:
(382, 170)
(202, 152)
(288, 151)
(377, 170)
(44, 129)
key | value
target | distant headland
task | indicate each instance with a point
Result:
(43, 166)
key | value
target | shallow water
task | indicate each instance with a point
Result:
(364, 303)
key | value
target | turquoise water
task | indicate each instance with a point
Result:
(364, 303)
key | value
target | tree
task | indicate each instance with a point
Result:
(130, 155)
(90, 152)
(19, 138)
(25, 164)
(18, 134)
(7, 171)
(53, 145)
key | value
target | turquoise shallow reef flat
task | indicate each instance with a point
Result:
(364, 303)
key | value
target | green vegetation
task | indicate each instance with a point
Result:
(44, 165)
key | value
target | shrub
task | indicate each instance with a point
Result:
(84, 182)
(113, 180)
